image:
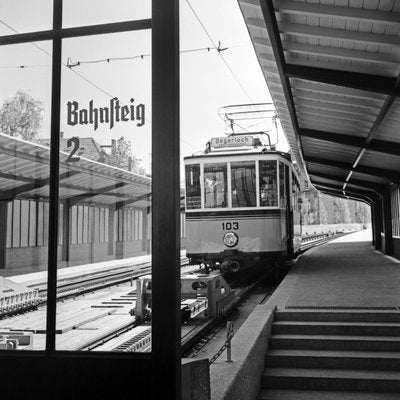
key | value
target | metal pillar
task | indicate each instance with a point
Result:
(66, 230)
(166, 324)
(3, 234)
(373, 224)
(145, 229)
(377, 221)
(387, 222)
(111, 227)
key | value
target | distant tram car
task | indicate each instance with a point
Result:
(241, 205)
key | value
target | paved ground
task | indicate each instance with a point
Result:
(346, 272)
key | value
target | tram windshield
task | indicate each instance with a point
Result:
(215, 185)
(193, 188)
(268, 186)
(243, 179)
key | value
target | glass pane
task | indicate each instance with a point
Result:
(21, 16)
(25, 98)
(268, 187)
(105, 180)
(243, 179)
(282, 185)
(215, 185)
(193, 189)
(93, 12)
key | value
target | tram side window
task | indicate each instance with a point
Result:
(215, 185)
(243, 179)
(193, 190)
(268, 187)
(282, 185)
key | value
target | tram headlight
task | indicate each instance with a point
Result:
(231, 239)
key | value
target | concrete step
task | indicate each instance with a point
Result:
(336, 328)
(332, 359)
(337, 315)
(331, 379)
(335, 342)
(323, 395)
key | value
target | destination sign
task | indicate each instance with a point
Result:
(232, 141)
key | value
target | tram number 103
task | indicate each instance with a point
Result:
(228, 226)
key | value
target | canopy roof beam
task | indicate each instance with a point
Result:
(358, 182)
(378, 172)
(338, 12)
(382, 146)
(368, 82)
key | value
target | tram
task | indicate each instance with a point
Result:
(242, 205)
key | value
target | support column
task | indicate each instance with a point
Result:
(373, 224)
(111, 222)
(387, 222)
(377, 223)
(165, 241)
(145, 229)
(66, 231)
(3, 234)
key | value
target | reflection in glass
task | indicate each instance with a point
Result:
(243, 178)
(24, 196)
(93, 12)
(268, 186)
(21, 16)
(215, 185)
(105, 194)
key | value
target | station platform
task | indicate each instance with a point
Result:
(346, 272)
(331, 330)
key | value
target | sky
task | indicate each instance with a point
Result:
(209, 80)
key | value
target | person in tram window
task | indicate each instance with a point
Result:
(268, 191)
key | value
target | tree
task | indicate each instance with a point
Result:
(341, 212)
(362, 215)
(21, 116)
(121, 156)
(323, 215)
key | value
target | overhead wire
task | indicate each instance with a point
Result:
(222, 57)
(86, 79)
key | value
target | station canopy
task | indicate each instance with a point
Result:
(25, 169)
(332, 68)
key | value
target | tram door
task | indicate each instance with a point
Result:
(289, 214)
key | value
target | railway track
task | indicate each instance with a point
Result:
(127, 336)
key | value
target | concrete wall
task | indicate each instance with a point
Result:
(326, 228)
(396, 247)
(241, 378)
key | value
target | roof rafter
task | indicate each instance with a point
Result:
(271, 24)
(339, 52)
(355, 141)
(379, 172)
(333, 33)
(347, 13)
(370, 83)
(358, 192)
(339, 193)
(324, 88)
(32, 185)
(95, 192)
(376, 187)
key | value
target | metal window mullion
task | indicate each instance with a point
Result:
(258, 183)
(229, 183)
(54, 181)
(59, 33)
(202, 193)
(166, 296)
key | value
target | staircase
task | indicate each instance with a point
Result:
(333, 354)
